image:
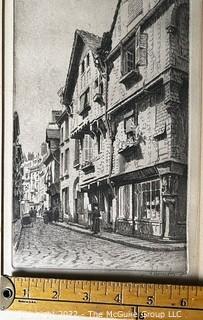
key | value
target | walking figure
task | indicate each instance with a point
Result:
(96, 218)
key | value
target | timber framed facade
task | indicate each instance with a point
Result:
(126, 96)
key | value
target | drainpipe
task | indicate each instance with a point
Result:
(109, 129)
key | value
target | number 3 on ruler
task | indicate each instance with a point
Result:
(86, 296)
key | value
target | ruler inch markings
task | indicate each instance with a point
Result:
(113, 304)
(108, 293)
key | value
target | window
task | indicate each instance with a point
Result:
(80, 202)
(87, 148)
(77, 152)
(67, 129)
(101, 88)
(150, 197)
(85, 102)
(66, 164)
(128, 58)
(134, 54)
(142, 198)
(130, 121)
(65, 199)
(61, 164)
(99, 91)
(125, 202)
(83, 67)
(88, 60)
(100, 140)
(96, 83)
(61, 134)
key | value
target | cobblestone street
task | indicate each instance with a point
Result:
(50, 246)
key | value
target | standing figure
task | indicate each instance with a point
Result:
(34, 214)
(46, 216)
(50, 215)
(96, 218)
(56, 214)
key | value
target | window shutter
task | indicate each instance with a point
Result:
(82, 102)
(141, 48)
(90, 148)
(85, 148)
(77, 151)
(122, 61)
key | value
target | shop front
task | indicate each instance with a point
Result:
(139, 206)
(153, 209)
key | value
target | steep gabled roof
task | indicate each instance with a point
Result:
(91, 40)
(81, 38)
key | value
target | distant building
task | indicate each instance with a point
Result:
(51, 162)
(34, 185)
(66, 156)
(17, 171)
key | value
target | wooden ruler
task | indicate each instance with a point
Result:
(104, 299)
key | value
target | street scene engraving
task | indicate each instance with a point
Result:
(100, 173)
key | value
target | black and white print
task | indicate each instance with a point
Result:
(100, 139)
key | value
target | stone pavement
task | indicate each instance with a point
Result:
(125, 240)
(51, 246)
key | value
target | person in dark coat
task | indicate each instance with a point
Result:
(31, 212)
(35, 214)
(96, 218)
(50, 215)
(56, 214)
(46, 216)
